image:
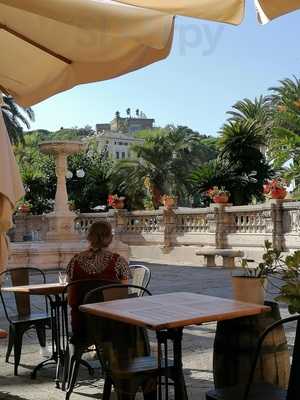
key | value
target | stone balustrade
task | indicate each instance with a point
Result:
(182, 229)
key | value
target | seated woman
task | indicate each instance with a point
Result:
(95, 263)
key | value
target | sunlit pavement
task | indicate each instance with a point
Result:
(197, 342)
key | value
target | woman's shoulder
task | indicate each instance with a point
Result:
(112, 255)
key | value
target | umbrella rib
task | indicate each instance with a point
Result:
(35, 44)
(3, 90)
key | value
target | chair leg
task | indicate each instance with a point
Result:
(73, 377)
(41, 334)
(10, 344)
(17, 349)
(66, 368)
(107, 388)
(87, 365)
(149, 388)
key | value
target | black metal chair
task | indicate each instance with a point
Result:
(20, 311)
(265, 391)
(123, 349)
(140, 276)
(76, 343)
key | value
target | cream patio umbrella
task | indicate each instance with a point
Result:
(228, 11)
(48, 46)
(11, 189)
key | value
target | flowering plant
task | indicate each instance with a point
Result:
(215, 191)
(274, 185)
(113, 199)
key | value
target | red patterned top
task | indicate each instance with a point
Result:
(99, 265)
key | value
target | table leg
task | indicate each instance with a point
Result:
(176, 371)
(179, 382)
(57, 325)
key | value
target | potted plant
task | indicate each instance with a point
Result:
(168, 201)
(275, 188)
(24, 207)
(115, 201)
(219, 196)
(289, 291)
(250, 286)
(72, 206)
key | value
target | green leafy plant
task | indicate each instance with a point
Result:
(285, 269)
(271, 264)
(290, 290)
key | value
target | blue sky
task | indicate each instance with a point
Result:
(211, 66)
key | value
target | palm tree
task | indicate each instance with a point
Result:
(259, 111)
(240, 168)
(14, 117)
(285, 143)
(166, 160)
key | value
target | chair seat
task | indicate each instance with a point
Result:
(145, 364)
(258, 391)
(33, 317)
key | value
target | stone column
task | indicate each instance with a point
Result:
(169, 222)
(220, 223)
(276, 215)
(61, 221)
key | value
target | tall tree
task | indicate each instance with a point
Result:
(15, 117)
(165, 160)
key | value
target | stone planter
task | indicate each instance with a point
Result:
(221, 199)
(250, 290)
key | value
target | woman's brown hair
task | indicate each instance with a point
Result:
(100, 235)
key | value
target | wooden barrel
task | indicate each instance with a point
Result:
(235, 345)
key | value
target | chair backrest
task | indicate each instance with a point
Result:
(119, 342)
(75, 292)
(294, 381)
(22, 304)
(141, 276)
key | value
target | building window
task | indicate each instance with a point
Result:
(123, 155)
(117, 155)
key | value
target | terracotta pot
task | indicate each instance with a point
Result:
(221, 199)
(24, 209)
(250, 290)
(278, 193)
(118, 204)
(169, 202)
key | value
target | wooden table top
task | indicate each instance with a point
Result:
(42, 288)
(172, 310)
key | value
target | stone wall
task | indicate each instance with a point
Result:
(173, 236)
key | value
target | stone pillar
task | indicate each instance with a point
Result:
(169, 223)
(276, 222)
(119, 226)
(220, 223)
(61, 196)
(61, 221)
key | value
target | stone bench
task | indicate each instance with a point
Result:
(227, 254)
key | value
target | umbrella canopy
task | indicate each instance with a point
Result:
(50, 46)
(228, 11)
(11, 189)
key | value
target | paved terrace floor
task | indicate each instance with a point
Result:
(197, 342)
